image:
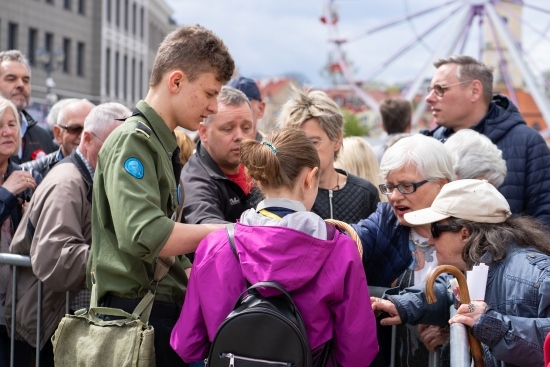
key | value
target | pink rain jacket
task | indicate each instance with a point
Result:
(326, 278)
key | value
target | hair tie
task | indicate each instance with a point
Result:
(270, 146)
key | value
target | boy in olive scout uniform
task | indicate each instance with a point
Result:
(135, 186)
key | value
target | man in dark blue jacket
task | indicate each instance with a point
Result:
(461, 97)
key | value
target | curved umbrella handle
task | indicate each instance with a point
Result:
(475, 345)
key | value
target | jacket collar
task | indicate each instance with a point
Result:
(84, 171)
(211, 167)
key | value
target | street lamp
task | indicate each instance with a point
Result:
(50, 62)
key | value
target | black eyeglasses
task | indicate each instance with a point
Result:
(439, 89)
(73, 129)
(437, 229)
(404, 188)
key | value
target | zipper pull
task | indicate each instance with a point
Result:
(231, 359)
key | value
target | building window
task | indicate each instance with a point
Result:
(125, 78)
(133, 77)
(141, 21)
(116, 74)
(48, 42)
(31, 53)
(67, 4)
(108, 11)
(140, 78)
(82, 7)
(67, 52)
(117, 13)
(108, 71)
(134, 18)
(12, 36)
(80, 56)
(126, 8)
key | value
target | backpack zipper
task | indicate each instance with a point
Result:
(232, 358)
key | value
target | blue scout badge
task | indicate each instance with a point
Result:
(134, 167)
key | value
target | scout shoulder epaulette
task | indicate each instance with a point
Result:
(142, 128)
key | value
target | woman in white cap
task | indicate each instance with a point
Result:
(470, 223)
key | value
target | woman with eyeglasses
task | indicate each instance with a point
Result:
(470, 224)
(396, 253)
(342, 195)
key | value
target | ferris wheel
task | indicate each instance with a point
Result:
(490, 30)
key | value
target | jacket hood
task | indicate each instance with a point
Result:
(502, 116)
(290, 251)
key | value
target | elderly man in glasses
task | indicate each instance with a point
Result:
(461, 97)
(67, 132)
(57, 233)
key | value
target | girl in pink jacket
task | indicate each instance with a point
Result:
(282, 241)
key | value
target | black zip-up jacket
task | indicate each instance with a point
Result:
(211, 197)
(35, 140)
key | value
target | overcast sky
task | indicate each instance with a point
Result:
(269, 38)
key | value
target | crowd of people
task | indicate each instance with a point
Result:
(108, 194)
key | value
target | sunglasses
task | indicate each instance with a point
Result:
(73, 129)
(437, 229)
(439, 89)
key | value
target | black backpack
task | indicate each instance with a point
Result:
(261, 331)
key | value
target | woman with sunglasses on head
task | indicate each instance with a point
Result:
(396, 253)
(342, 195)
(471, 224)
(282, 241)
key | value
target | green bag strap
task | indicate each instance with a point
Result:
(144, 307)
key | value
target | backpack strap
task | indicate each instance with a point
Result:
(230, 229)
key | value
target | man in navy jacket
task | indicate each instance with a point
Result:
(461, 97)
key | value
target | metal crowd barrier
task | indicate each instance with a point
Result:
(460, 352)
(17, 261)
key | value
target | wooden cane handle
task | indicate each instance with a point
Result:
(475, 345)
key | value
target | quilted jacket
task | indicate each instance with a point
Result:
(386, 253)
(525, 152)
(355, 201)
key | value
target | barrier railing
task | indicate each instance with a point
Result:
(460, 353)
(17, 261)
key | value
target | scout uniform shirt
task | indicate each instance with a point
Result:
(134, 196)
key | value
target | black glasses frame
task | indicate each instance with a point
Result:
(387, 189)
(72, 129)
(437, 229)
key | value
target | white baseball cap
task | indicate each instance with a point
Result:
(473, 200)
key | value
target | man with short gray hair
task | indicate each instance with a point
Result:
(57, 232)
(461, 97)
(215, 185)
(15, 85)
